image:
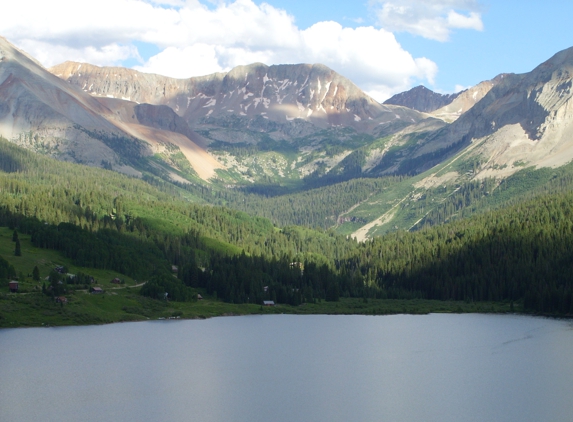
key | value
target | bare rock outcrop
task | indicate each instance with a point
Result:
(283, 94)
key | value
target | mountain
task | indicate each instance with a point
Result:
(422, 99)
(447, 107)
(524, 119)
(466, 99)
(44, 113)
(282, 101)
(270, 140)
(514, 140)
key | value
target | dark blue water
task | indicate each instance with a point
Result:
(292, 368)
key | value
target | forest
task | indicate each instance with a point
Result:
(516, 254)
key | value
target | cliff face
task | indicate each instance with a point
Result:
(287, 95)
(524, 119)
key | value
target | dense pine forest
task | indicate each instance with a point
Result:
(142, 228)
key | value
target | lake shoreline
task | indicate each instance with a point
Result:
(37, 310)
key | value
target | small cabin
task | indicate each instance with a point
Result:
(174, 268)
(199, 297)
(268, 302)
(13, 286)
(61, 299)
(97, 290)
(116, 281)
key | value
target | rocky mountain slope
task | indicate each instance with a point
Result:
(523, 124)
(42, 112)
(422, 99)
(283, 101)
(525, 118)
(466, 99)
(287, 128)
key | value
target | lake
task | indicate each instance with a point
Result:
(437, 367)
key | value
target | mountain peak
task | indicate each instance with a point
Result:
(250, 94)
(422, 99)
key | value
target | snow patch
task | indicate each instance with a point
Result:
(326, 91)
(110, 96)
(210, 103)
(357, 118)
(208, 114)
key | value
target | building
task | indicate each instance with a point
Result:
(97, 290)
(13, 286)
(61, 299)
(268, 302)
(116, 281)
(199, 297)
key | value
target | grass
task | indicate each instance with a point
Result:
(31, 308)
(121, 305)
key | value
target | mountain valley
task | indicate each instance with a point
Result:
(289, 183)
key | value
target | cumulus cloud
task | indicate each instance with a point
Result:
(194, 39)
(433, 19)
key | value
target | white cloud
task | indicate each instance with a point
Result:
(49, 54)
(433, 19)
(196, 40)
(198, 59)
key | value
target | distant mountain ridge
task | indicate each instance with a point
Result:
(422, 99)
(272, 130)
(44, 113)
(279, 100)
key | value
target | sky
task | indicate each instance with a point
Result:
(383, 46)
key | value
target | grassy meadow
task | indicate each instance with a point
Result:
(31, 308)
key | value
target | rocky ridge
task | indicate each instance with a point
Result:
(44, 113)
(280, 100)
(422, 99)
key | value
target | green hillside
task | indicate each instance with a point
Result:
(104, 225)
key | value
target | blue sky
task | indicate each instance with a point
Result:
(517, 36)
(384, 46)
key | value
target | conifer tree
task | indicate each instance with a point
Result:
(36, 274)
(18, 250)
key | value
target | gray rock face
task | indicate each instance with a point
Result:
(422, 99)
